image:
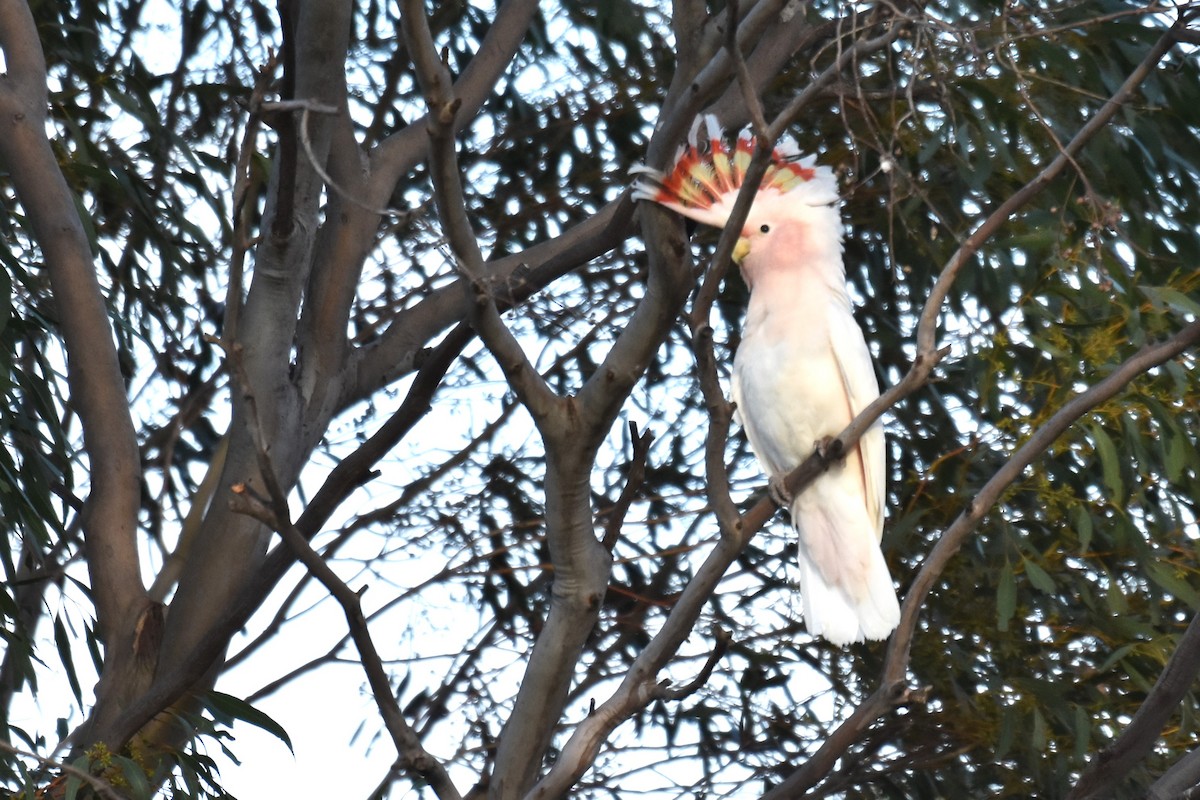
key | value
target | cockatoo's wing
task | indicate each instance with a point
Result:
(858, 377)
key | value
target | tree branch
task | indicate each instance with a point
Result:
(513, 280)
(401, 151)
(94, 375)
(633, 484)
(1181, 780)
(103, 788)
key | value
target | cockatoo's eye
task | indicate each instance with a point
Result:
(765, 228)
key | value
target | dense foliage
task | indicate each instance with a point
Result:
(208, 224)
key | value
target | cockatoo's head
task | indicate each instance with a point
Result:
(794, 212)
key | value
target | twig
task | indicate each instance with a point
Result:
(723, 639)
(720, 419)
(745, 82)
(306, 107)
(633, 484)
(896, 25)
(241, 192)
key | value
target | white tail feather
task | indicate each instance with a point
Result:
(848, 593)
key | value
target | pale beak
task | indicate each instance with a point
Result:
(741, 250)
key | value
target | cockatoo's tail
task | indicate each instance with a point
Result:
(707, 175)
(802, 370)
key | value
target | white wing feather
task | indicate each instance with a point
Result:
(858, 377)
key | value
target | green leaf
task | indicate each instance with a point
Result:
(1114, 657)
(138, 785)
(1116, 598)
(63, 642)
(231, 708)
(1006, 596)
(74, 782)
(1039, 731)
(1173, 299)
(1008, 728)
(1083, 733)
(1178, 452)
(1040, 579)
(1167, 577)
(1083, 528)
(1110, 463)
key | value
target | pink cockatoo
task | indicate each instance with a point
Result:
(802, 371)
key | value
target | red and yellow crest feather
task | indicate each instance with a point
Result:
(705, 179)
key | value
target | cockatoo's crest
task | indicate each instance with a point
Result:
(707, 175)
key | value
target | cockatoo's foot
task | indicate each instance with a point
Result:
(777, 488)
(828, 448)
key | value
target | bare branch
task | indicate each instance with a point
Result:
(1180, 781)
(638, 687)
(749, 92)
(860, 48)
(401, 151)
(720, 419)
(633, 483)
(513, 279)
(241, 222)
(723, 639)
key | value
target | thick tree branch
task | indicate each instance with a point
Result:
(94, 375)
(1181, 780)
(228, 555)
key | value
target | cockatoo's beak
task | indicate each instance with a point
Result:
(741, 250)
